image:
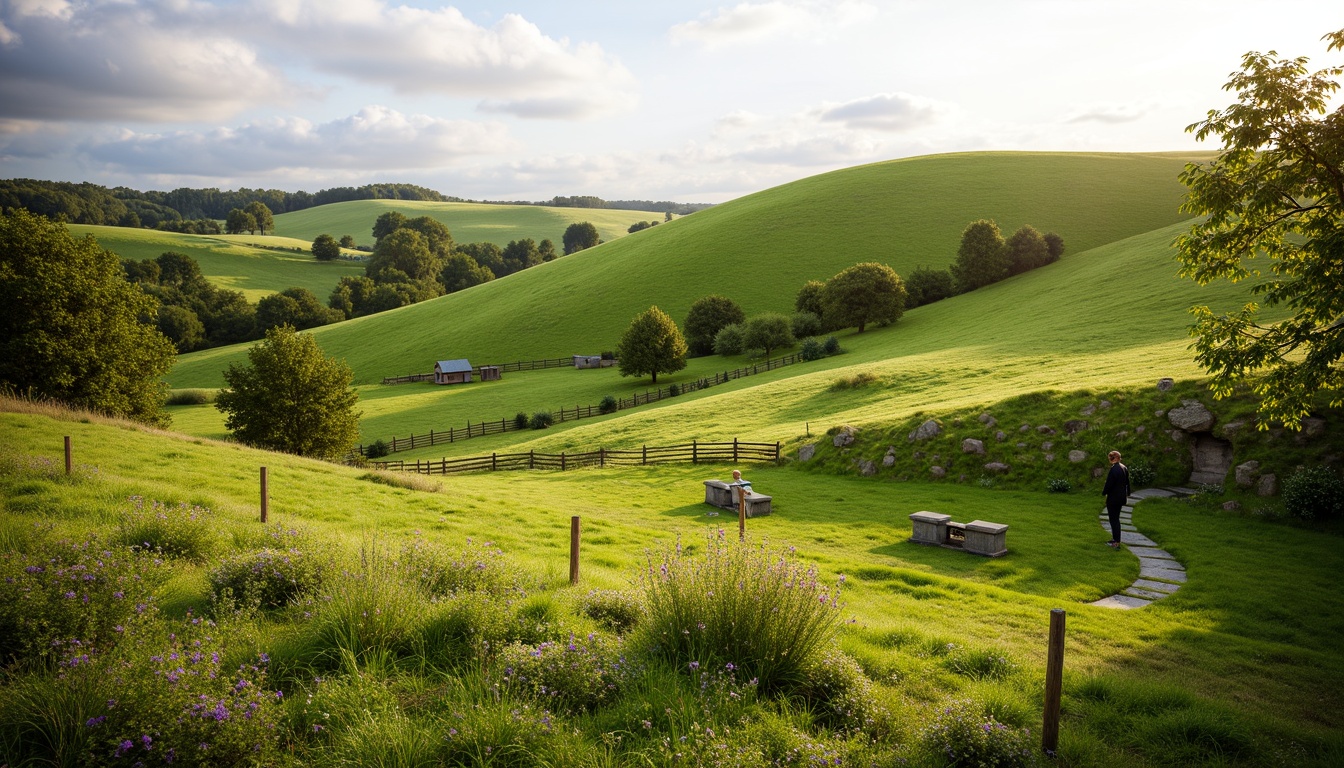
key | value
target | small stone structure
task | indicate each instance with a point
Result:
(728, 496)
(587, 361)
(976, 537)
(490, 373)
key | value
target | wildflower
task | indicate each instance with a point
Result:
(124, 747)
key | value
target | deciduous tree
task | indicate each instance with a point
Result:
(652, 344)
(291, 398)
(239, 221)
(706, 317)
(325, 248)
(864, 293)
(1275, 192)
(767, 331)
(580, 235)
(982, 258)
(386, 224)
(925, 286)
(261, 215)
(461, 272)
(1027, 250)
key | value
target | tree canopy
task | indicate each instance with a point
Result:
(652, 344)
(767, 331)
(864, 293)
(982, 257)
(1275, 192)
(72, 328)
(706, 317)
(1027, 250)
(291, 398)
(580, 235)
(325, 248)
(261, 215)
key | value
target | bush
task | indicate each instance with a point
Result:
(541, 420)
(608, 405)
(832, 346)
(811, 350)
(857, 381)
(377, 449)
(270, 578)
(190, 397)
(673, 390)
(520, 421)
(1314, 493)
(805, 324)
(1141, 475)
(838, 691)
(728, 341)
(961, 735)
(739, 604)
(575, 676)
(171, 531)
(979, 665)
(1058, 485)
(443, 571)
(617, 611)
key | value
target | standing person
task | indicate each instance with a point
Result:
(1116, 492)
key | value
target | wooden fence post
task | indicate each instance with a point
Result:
(645, 458)
(601, 457)
(1054, 679)
(562, 461)
(531, 459)
(574, 549)
(69, 465)
(734, 450)
(741, 514)
(265, 500)
(695, 453)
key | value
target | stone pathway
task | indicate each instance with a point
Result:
(1159, 573)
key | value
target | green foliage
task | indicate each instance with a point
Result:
(261, 215)
(854, 381)
(767, 332)
(406, 251)
(673, 390)
(387, 223)
(574, 676)
(812, 349)
(291, 398)
(838, 691)
(1314, 493)
(239, 221)
(1274, 192)
(982, 258)
(1060, 485)
(168, 530)
(652, 344)
(325, 248)
(579, 236)
(74, 330)
(706, 317)
(1054, 245)
(832, 346)
(728, 341)
(181, 326)
(964, 736)
(190, 397)
(270, 578)
(520, 420)
(741, 604)
(478, 567)
(613, 609)
(1027, 250)
(864, 293)
(378, 449)
(460, 272)
(347, 241)
(809, 298)
(804, 324)
(608, 405)
(296, 307)
(1141, 474)
(925, 286)
(541, 420)
(519, 255)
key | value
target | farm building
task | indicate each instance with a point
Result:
(489, 373)
(452, 372)
(587, 361)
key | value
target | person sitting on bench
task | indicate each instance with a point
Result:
(745, 485)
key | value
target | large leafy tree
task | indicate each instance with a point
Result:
(652, 344)
(767, 331)
(261, 215)
(864, 293)
(239, 221)
(461, 272)
(580, 235)
(1027, 250)
(291, 398)
(72, 328)
(982, 257)
(325, 248)
(1275, 193)
(404, 250)
(707, 316)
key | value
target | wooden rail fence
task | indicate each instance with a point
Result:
(521, 365)
(482, 428)
(694, 452)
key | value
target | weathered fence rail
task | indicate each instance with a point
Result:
(482, 428)
(694, 452)
(521, 365)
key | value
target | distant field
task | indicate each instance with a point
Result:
(232, 261)
(469, 222)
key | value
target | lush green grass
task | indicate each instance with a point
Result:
(232, 261)
(469, 222)
(759, 250)
(1244, 654)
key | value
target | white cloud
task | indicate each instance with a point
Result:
(374, 139)
(751, 22)
(1112, 114)
(891, 112)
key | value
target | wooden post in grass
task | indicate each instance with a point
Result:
(265, 502)
(68, 464)
(574, 550)
(1054, 679)
(741, 514)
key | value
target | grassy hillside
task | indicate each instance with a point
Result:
(469, 222)
(253, 264)
(757, 250)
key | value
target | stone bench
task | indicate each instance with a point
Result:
(977, 537)
(726, 495)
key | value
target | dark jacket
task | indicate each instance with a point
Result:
(1116, 490)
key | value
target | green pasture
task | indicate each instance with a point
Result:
(1245, 654)
(256, 265)
(759, 250)
(469, 222)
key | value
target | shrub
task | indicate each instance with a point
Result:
(1058, 485)
(739, 604)
(832, 346)
(368, 616)
(1314, 493)
(180, 531)
(1141, 475)
(618, 611)
(811, 350)
(190, 397)
(961, 735)
(728, 341)
(520, 421)
(856, 381)
(575, 676)
(979, 665)
(805, 324)
(270, 578)
(838, 690)
(541, 420)
(608, 405)
(377, 449)
(443, 571)
(673, 390)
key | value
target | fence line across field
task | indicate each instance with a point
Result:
(521, 365)
(482, 428)
(694, 452)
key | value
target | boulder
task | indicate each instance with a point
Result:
(1247, 473)
(889, 460)
(806, 452)
(1192, 416)
(1139, 430)
(1105, 404)
(1046, 429)
(926, 430)
(867, 468)
(1165, 384)
(1047, 445)
(996, 466)
(843, 438)
(1098, 471)
(988, 421)
(1231, 506)
(1024, 428)
(1177, 435)
(1076, 456)
(938, 472)
(1000, 436)
(1021, 445)
(1049, 457)
(1233, 427)
(1074, 426)
(1313, 427)
(971, 445)
(1088, 410)
(1268, 485)
(1159, 413)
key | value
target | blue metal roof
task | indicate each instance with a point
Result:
(453, 366)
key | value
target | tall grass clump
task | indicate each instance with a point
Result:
(473, 566)
(575, 676)
(182, 530)
(272, 577)
(190, 397)
(739, 604)
(962, 735)
(369, 615)
(613, 609)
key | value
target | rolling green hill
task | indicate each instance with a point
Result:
(469, 222)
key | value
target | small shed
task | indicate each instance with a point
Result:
(587, 361)
(489, 373)
(452, 372)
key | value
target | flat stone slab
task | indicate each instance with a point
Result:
(1156, 586)
(1165, 574)
(1157, 562)
(1181, 491)
(1123, 602)
(1146, 594)
(1151, 552)
(1150, 493)
(1131, 538)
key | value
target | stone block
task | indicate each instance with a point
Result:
(929, 528)
(988, 539)
(1000, 436)
(987, 420)
(1165, 383)
(718, 493)
(1074, 426)
(1268, 485)
(971, 445)
(889, 460)
(806, 452)
(938, 472)
(926, 430)
(996, 466)
(1192, 416)
(1076, 456)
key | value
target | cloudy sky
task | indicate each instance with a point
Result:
(691, 100)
